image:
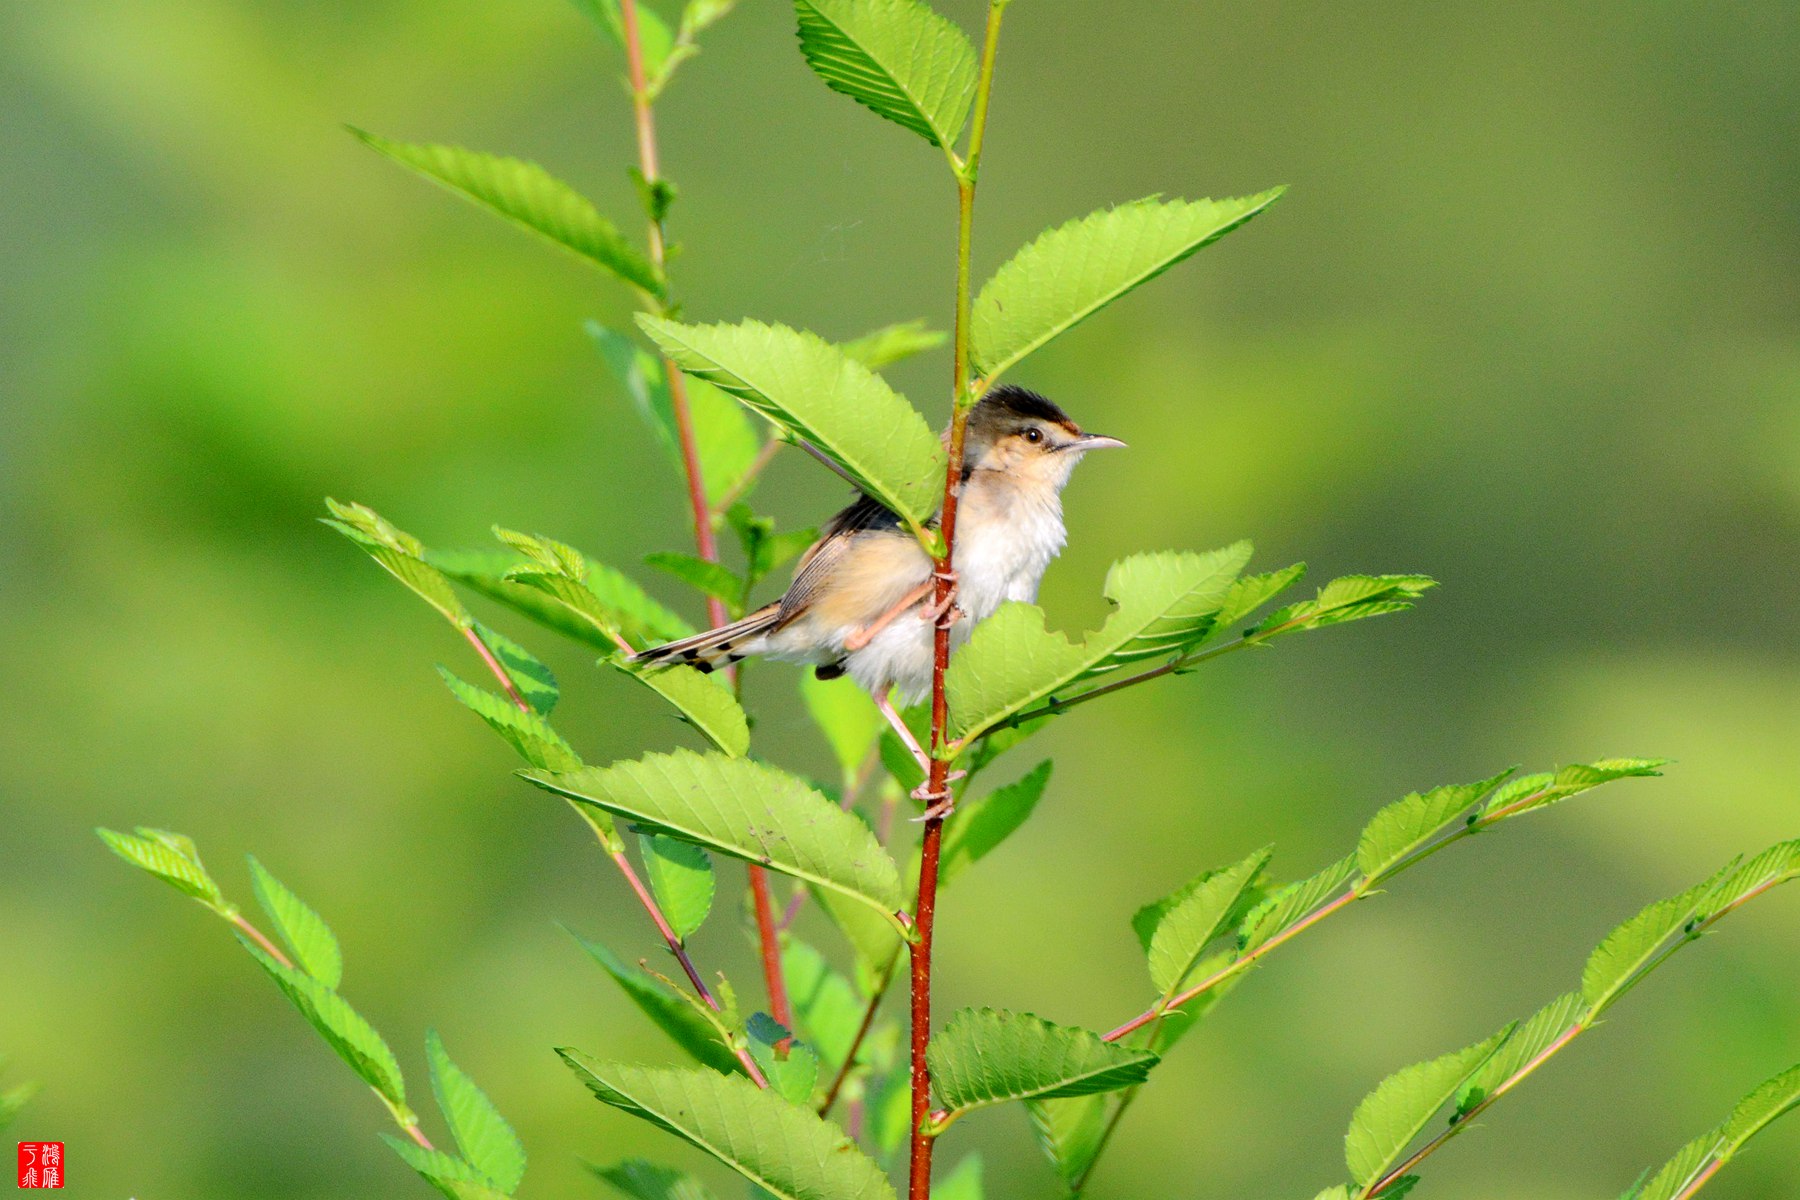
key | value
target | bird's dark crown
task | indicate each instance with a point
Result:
(1011, 401)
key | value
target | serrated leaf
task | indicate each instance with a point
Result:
(450, 1175)
(640, 1180)
(532, 678)
(871, 935)
(400, 554)
(1164, 602)
(1616, 962)
(827, 1010)
(1678, 1172)
(1251, 592)
(1778, 864)
(605, 598)
(784, 1148)
(891, 343)
(1069, 1132)
(743, 809)
(182, 871)
(1770, 1101)
(1532, 792)
(681, 877)
(702, 699)
(1286, 907)
(1536, 1034)
(704, 576)
(897, 58)
(1413, 820)
(725, 441)
(1400, 1108)
(482, 1134)
(821, 396)
(985, 1056)
(1073, 271)
(981, 825)
(613, 600)
(526, 732)
(1186, 923)
(791, 1070)
(673, 1015)
(528, 196)
(342, 1027)
(1347, 598)
(314, 947)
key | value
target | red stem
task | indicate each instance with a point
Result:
(704, 541)
(1699, 1181)
(493, 664)
(862, 1032)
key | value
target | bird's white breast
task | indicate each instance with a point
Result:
(1005, 542)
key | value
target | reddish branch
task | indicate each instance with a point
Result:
(704, 541)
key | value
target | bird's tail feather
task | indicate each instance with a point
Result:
(716, 647)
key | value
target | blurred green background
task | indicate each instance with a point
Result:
(1527, 321)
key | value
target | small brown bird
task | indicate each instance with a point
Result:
(860, 603)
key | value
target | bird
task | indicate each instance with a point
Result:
(860, 603)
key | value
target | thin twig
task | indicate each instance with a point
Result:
(862, 1031)
(493, 664)
(644, 115)
(736, 491)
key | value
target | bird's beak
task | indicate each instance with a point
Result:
(1095, 441)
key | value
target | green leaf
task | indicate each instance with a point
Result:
(342, 1027)
(1406, 824)
(1347, 598)
(1288, 906)
(482, 1134)
(640, 1180)
(700, 15)
(1069, 1132)
(1532, 792)
(531, 198)
(827, 1010)
(984, 1056)
(706, 577)
(892, 343)
(1754, 1112)
(1679, 1171)
(400, 553)
(823, 397)
(782, 1147)
(670, 1013)
(1536, 1034)
(1184, 924)
(873, 937)
(1251, 592)
(962, 1183)
(1618, 962)
(1778, 864)
(896, 57)
(314, 947)
(526, 732)
(450, 1175)
(681, 877)
(605, 598)
(982, 825)
(1398, 1110)
(655, 40)
(702, 699)
(1073, 271)
(532, 678)
(791, 1071)
(846, 716)
(725, 441)
(171, 858)
(1165, 603)
(743, 809)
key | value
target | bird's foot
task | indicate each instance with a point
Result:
(933, 612)
(940, 803)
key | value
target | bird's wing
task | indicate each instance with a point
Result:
(862, 516)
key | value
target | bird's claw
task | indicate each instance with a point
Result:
(941, 803)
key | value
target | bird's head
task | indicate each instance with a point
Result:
(1025, 437)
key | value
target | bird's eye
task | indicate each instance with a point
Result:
(1034, 435)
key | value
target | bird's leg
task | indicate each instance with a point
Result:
(862, 637)
(941, 802)
(935, 611)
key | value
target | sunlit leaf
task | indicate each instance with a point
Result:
(169, 857)
(704, 701)
(1073, 271)
(1408, 823)
(482, 1134)
(673, 1015)
(681, 878)
(984, 1056)
(782, 1147)
(531, 198)
(821, 396)
(1347, 598)
(827, 1010)
(526, 732)
(704, 576)
(1184, 924)
(402, 554)
(313, 946)
(1534, 1036)
(1398, 1110)
(896, 57)
(790, 1066)
(535, 684)
(342, 1027)
(891, 343)
(1069, 1132)
(1616, 964)
(456, 1179)
(1532, 792)
(1286, 907)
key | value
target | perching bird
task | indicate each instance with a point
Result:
(860, 603)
